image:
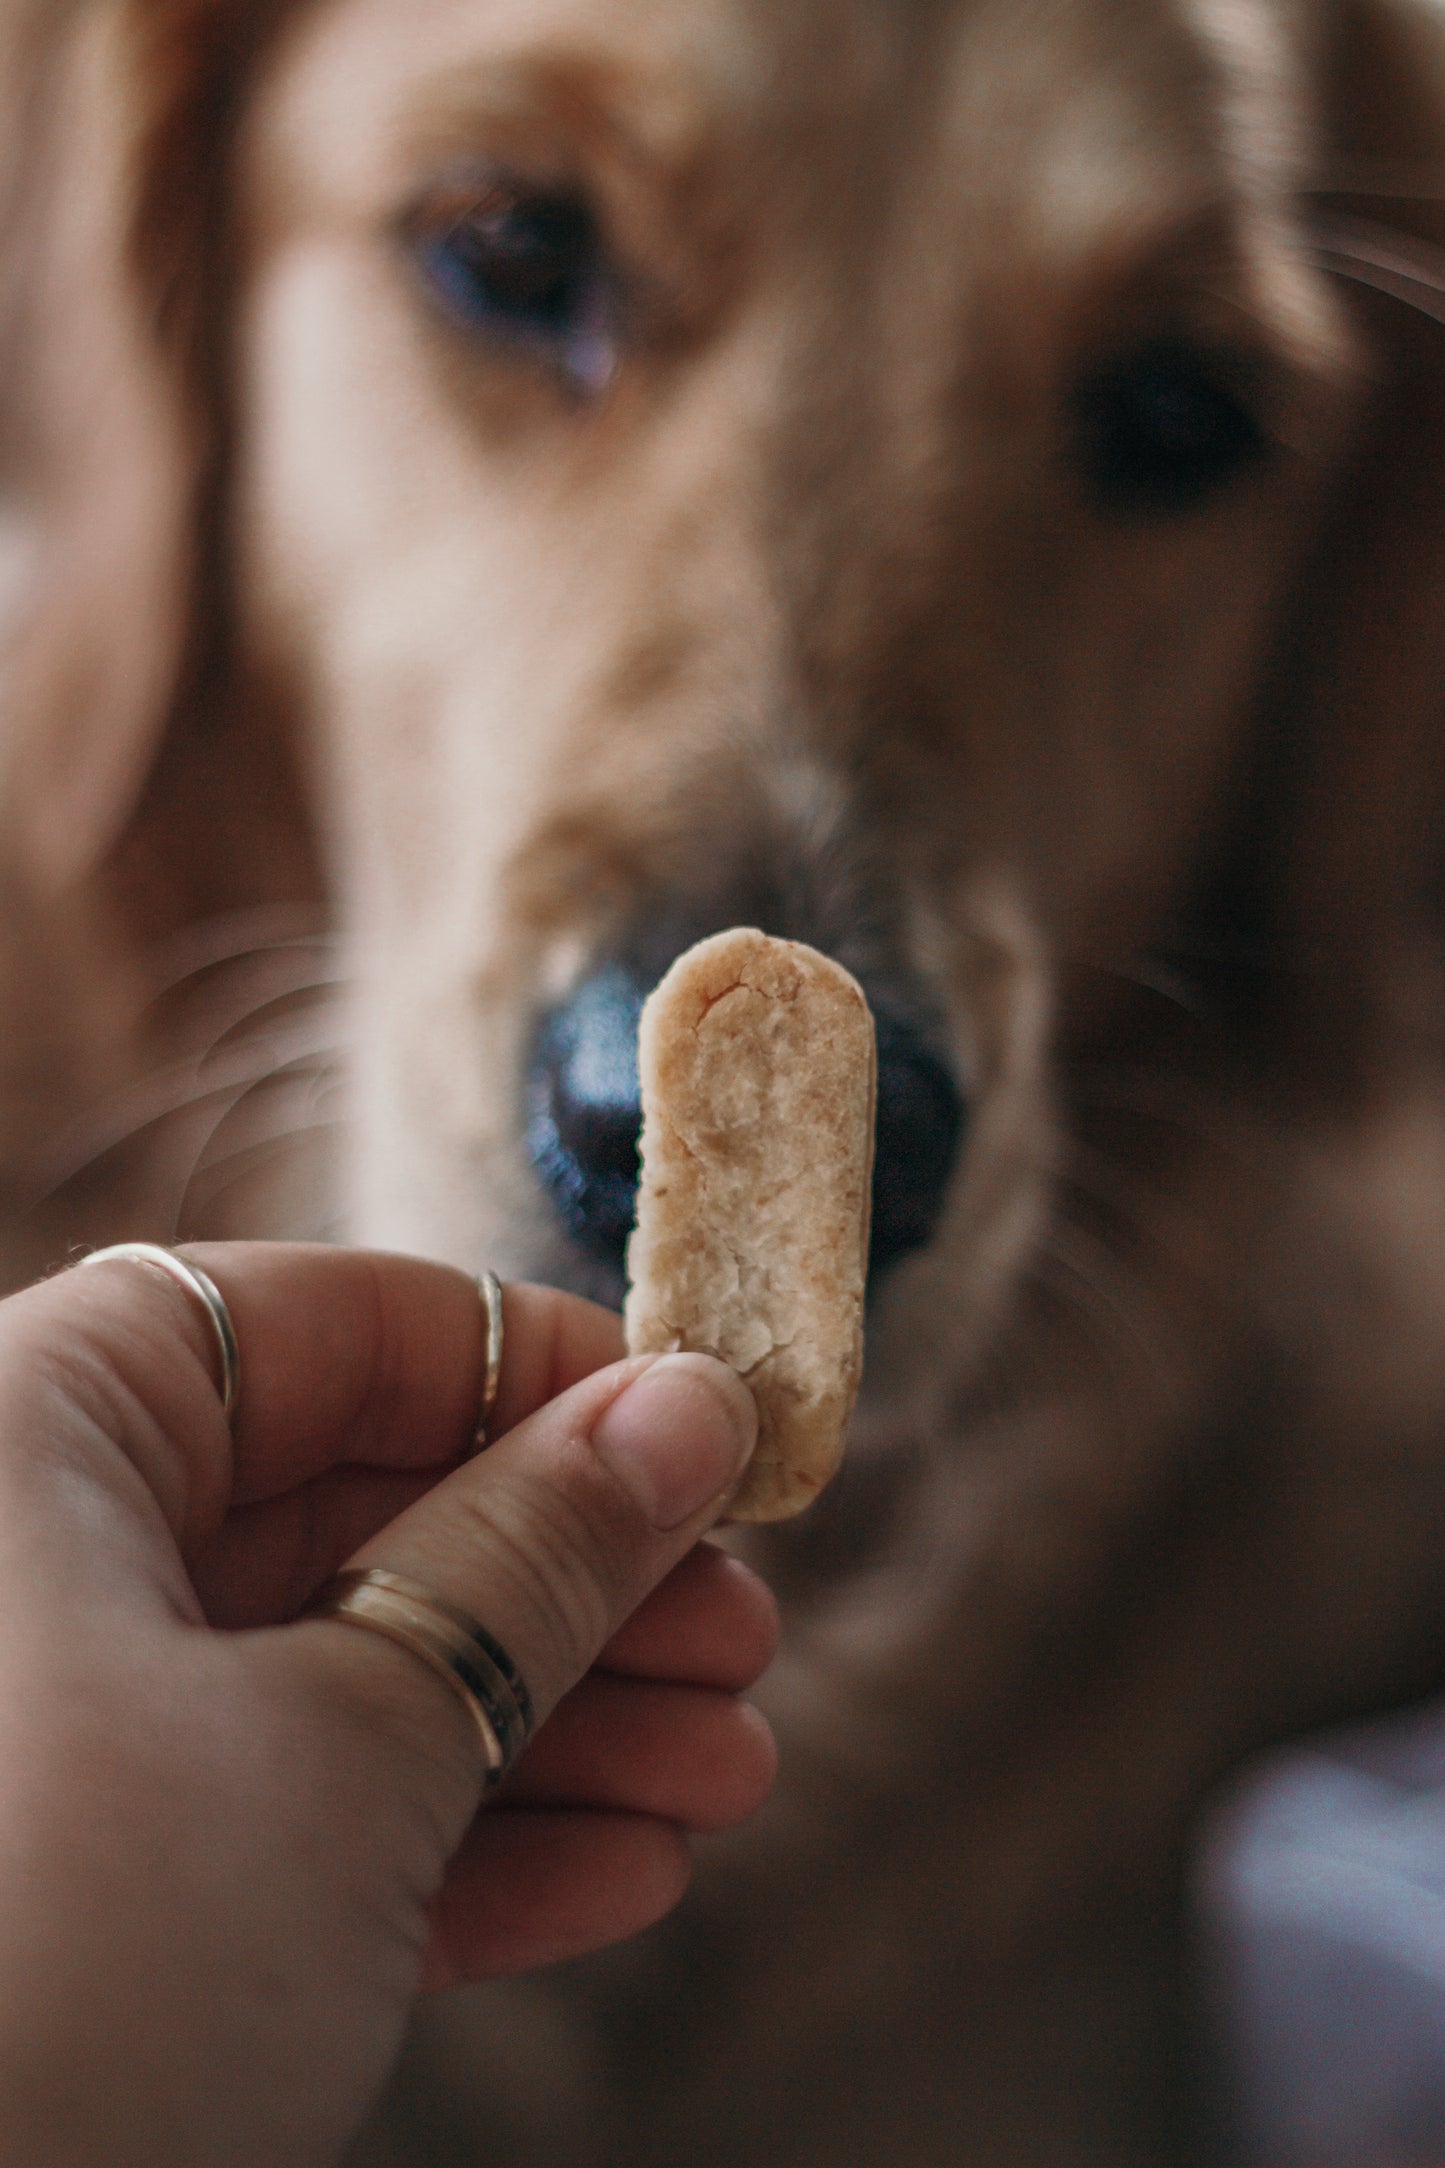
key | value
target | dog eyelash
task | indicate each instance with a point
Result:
(252, 1079)
(525, 269)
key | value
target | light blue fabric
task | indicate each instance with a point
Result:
(1322, 1900)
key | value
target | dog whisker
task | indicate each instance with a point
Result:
(1109, 1185)
(168, 1095)
(233, 938)
(1154, 975)
(231, 1011)
(1399, 265)
(1200, 949)
(200, 1198)
(1098, 1286)
(212, 1015)
(291, 1035)
(1165, 1097)
(279, 1106)
(1384, 183)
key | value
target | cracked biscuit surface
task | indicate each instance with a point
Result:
(758, 1070)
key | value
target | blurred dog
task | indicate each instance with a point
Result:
(525, 486)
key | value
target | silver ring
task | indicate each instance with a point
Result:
(203, 1287)
(489, 1288)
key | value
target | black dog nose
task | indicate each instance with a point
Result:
(920, 1128)
(584, 1114)
(584, 1110)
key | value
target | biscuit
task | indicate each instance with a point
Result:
(758, 1067)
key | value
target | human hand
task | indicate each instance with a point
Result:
(233, 1856)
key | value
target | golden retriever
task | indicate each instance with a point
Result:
(508, 486)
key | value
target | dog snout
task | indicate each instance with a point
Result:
(584, 1115)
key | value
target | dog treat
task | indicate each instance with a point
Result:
(759, 1071)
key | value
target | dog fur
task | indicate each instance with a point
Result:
(348, 650)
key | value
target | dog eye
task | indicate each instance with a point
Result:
(1164, 430)
(527, 270)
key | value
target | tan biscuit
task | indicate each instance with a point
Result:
(758, 1083)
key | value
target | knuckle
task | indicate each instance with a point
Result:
(550, 1569)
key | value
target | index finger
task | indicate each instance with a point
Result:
(365, 1358)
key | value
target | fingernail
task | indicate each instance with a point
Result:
(679, 1437)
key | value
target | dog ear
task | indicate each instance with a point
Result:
(1362, 868)
(105, 448)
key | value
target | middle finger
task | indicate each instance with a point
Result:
(687, 1754)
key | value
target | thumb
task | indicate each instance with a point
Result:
(554, 1536)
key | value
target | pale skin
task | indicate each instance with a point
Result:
(236, 1847)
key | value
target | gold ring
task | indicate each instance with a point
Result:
(452, 1643)
(489, 1288)
(203, 1287)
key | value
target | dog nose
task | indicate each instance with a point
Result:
(920, 1128)
(584, 1113)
